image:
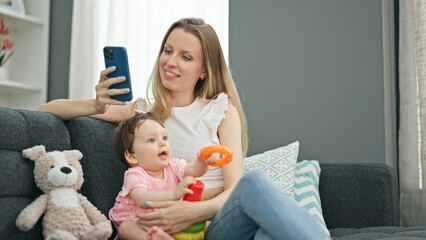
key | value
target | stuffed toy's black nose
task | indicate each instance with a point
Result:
(66, 170)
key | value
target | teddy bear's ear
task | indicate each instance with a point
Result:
(73, 154)
(35, 152)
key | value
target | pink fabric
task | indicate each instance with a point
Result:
(124, 207)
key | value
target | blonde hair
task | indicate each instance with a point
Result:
(218, 78)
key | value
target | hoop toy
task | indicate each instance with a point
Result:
(207, 151)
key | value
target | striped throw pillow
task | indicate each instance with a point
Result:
(306, 191)
(278, 164)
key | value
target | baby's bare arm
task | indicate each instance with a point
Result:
(141, 196)
(198, 168)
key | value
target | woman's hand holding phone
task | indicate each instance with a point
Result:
(113, 88)
(103, 91)
(116, 60)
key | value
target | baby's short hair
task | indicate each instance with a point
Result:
(125, 133)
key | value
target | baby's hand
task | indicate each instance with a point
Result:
(182, 187)
(211, 160)
(207, 155)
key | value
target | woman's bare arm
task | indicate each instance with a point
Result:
(102, 107)
(67, 109)
(141, 196)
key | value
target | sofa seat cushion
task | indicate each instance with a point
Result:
(394, 233)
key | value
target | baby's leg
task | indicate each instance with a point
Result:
(157, 234)
(131, 230)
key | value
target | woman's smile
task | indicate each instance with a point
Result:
(170, 75)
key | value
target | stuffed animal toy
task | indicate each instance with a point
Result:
(67, 213)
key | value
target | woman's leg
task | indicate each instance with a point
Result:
(258, 203)
(262, 235)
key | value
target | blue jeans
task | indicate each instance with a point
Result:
(259, 209)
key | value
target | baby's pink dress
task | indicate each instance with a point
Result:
(124, 207)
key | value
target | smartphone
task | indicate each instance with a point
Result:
(117, 56)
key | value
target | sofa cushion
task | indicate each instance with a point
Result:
(21, 129)
(278, 164)
(306, 193)
(394, 233)
(103, 171)
(359, 195)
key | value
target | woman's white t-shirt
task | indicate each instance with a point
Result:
(194, 127)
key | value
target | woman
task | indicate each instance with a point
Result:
(196, 97)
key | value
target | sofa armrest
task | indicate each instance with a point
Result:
(21, 129)
(359, 195)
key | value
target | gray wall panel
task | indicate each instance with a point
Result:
(311, 71)
(59, 50)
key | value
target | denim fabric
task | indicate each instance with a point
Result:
(259, 209)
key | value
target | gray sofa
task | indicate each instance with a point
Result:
(359, 201)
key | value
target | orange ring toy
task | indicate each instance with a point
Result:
(207, 151)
